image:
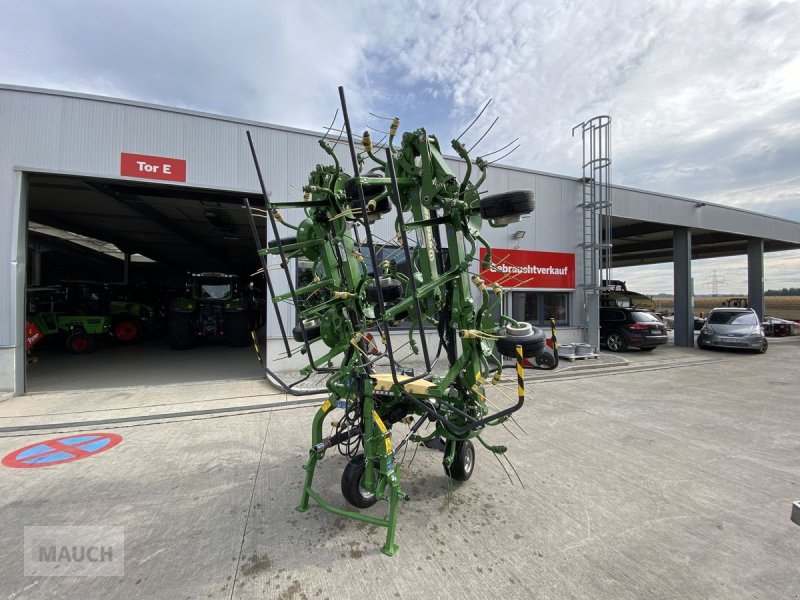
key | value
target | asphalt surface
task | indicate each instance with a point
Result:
(669, 475)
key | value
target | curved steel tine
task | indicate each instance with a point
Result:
(496, 119)
(485, 106)
(500, 149)
(504, 155)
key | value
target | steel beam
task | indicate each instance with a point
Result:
(682, 274)
(755, 276)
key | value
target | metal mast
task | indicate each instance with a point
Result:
(596, 207)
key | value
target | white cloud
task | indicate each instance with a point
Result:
(705, 97)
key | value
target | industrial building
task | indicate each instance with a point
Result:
(163, 188)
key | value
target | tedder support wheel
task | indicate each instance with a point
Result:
(370, 191)
(391, 288)
(180, 333)
(127, 330)
(313, 330)
(616, 342)
(463, 461)
(284, 242)
(507, 204)
(533, 342)
(352, 478)
(80, 343)
(238, 332)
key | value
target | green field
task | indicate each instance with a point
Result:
(784, 307)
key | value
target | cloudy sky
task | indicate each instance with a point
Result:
(704, 96)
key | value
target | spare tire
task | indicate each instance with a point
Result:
(391, 288)
(313, 331)
(370, 190)
(533, 345)
(284, 242)
(507, 204)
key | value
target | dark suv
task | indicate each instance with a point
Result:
(623, 328)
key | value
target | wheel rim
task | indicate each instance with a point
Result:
(469, 456)
(614, 342)
(364, 493)
(80, 345)
(125, 331)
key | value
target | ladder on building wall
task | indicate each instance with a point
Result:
(596, 217)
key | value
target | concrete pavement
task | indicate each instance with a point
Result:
(672, 477)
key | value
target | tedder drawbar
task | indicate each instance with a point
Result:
(416, 285)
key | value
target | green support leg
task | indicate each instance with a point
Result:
(389, 548)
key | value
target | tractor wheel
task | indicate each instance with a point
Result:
(80, 343)
(313, 330)
(180, 331)
(391, 288)
(284, 242)
(532, 340)
(463, 461)
(237, 331)
(507, 205)
(127, 330)
(352, 478)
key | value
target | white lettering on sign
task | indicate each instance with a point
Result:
(529, 269)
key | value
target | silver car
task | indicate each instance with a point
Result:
(732, 328)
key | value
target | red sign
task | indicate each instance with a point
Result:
(530, 269)
(61, 450)
(152, 167)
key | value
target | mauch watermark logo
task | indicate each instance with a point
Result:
(86, 551)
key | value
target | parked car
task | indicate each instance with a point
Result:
(733, 328)
(623, 328)
(773, 326)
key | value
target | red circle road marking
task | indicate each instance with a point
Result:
(61, 450)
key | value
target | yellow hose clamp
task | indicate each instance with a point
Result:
(358, 256)
(393, 128)
(479, 283)
(371, 205)
(496, 377)
(341, 295)
(306, 196)
(278, 216)
(497, 289)
(366, 141)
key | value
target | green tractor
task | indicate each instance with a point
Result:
(53, 317)
(213, 307)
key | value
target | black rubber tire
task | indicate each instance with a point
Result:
(127, 330)
(382, 206)
(80, 343)
(313, 332)
(463, 461)
(180, 333)
(351, 484)
(370, 191)
(546, 361)
(533, 345)
(237, 330)
(764, 346)
(392, 290)
(284, 241)
(648, 348)
(615, 342)
(507, 204)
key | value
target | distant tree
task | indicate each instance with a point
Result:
(783, 292)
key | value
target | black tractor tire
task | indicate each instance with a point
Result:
(507, 204)
(313, 332)
(352, 477)
(180, 332)
(284, 242)
(370, 191)
(127, 329)
(382, 207)
(463, 461)
(615, 342)
(533, 345)
(392, 290)
(80, 343)
(237, 330)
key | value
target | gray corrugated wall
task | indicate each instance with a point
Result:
(67, 134)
